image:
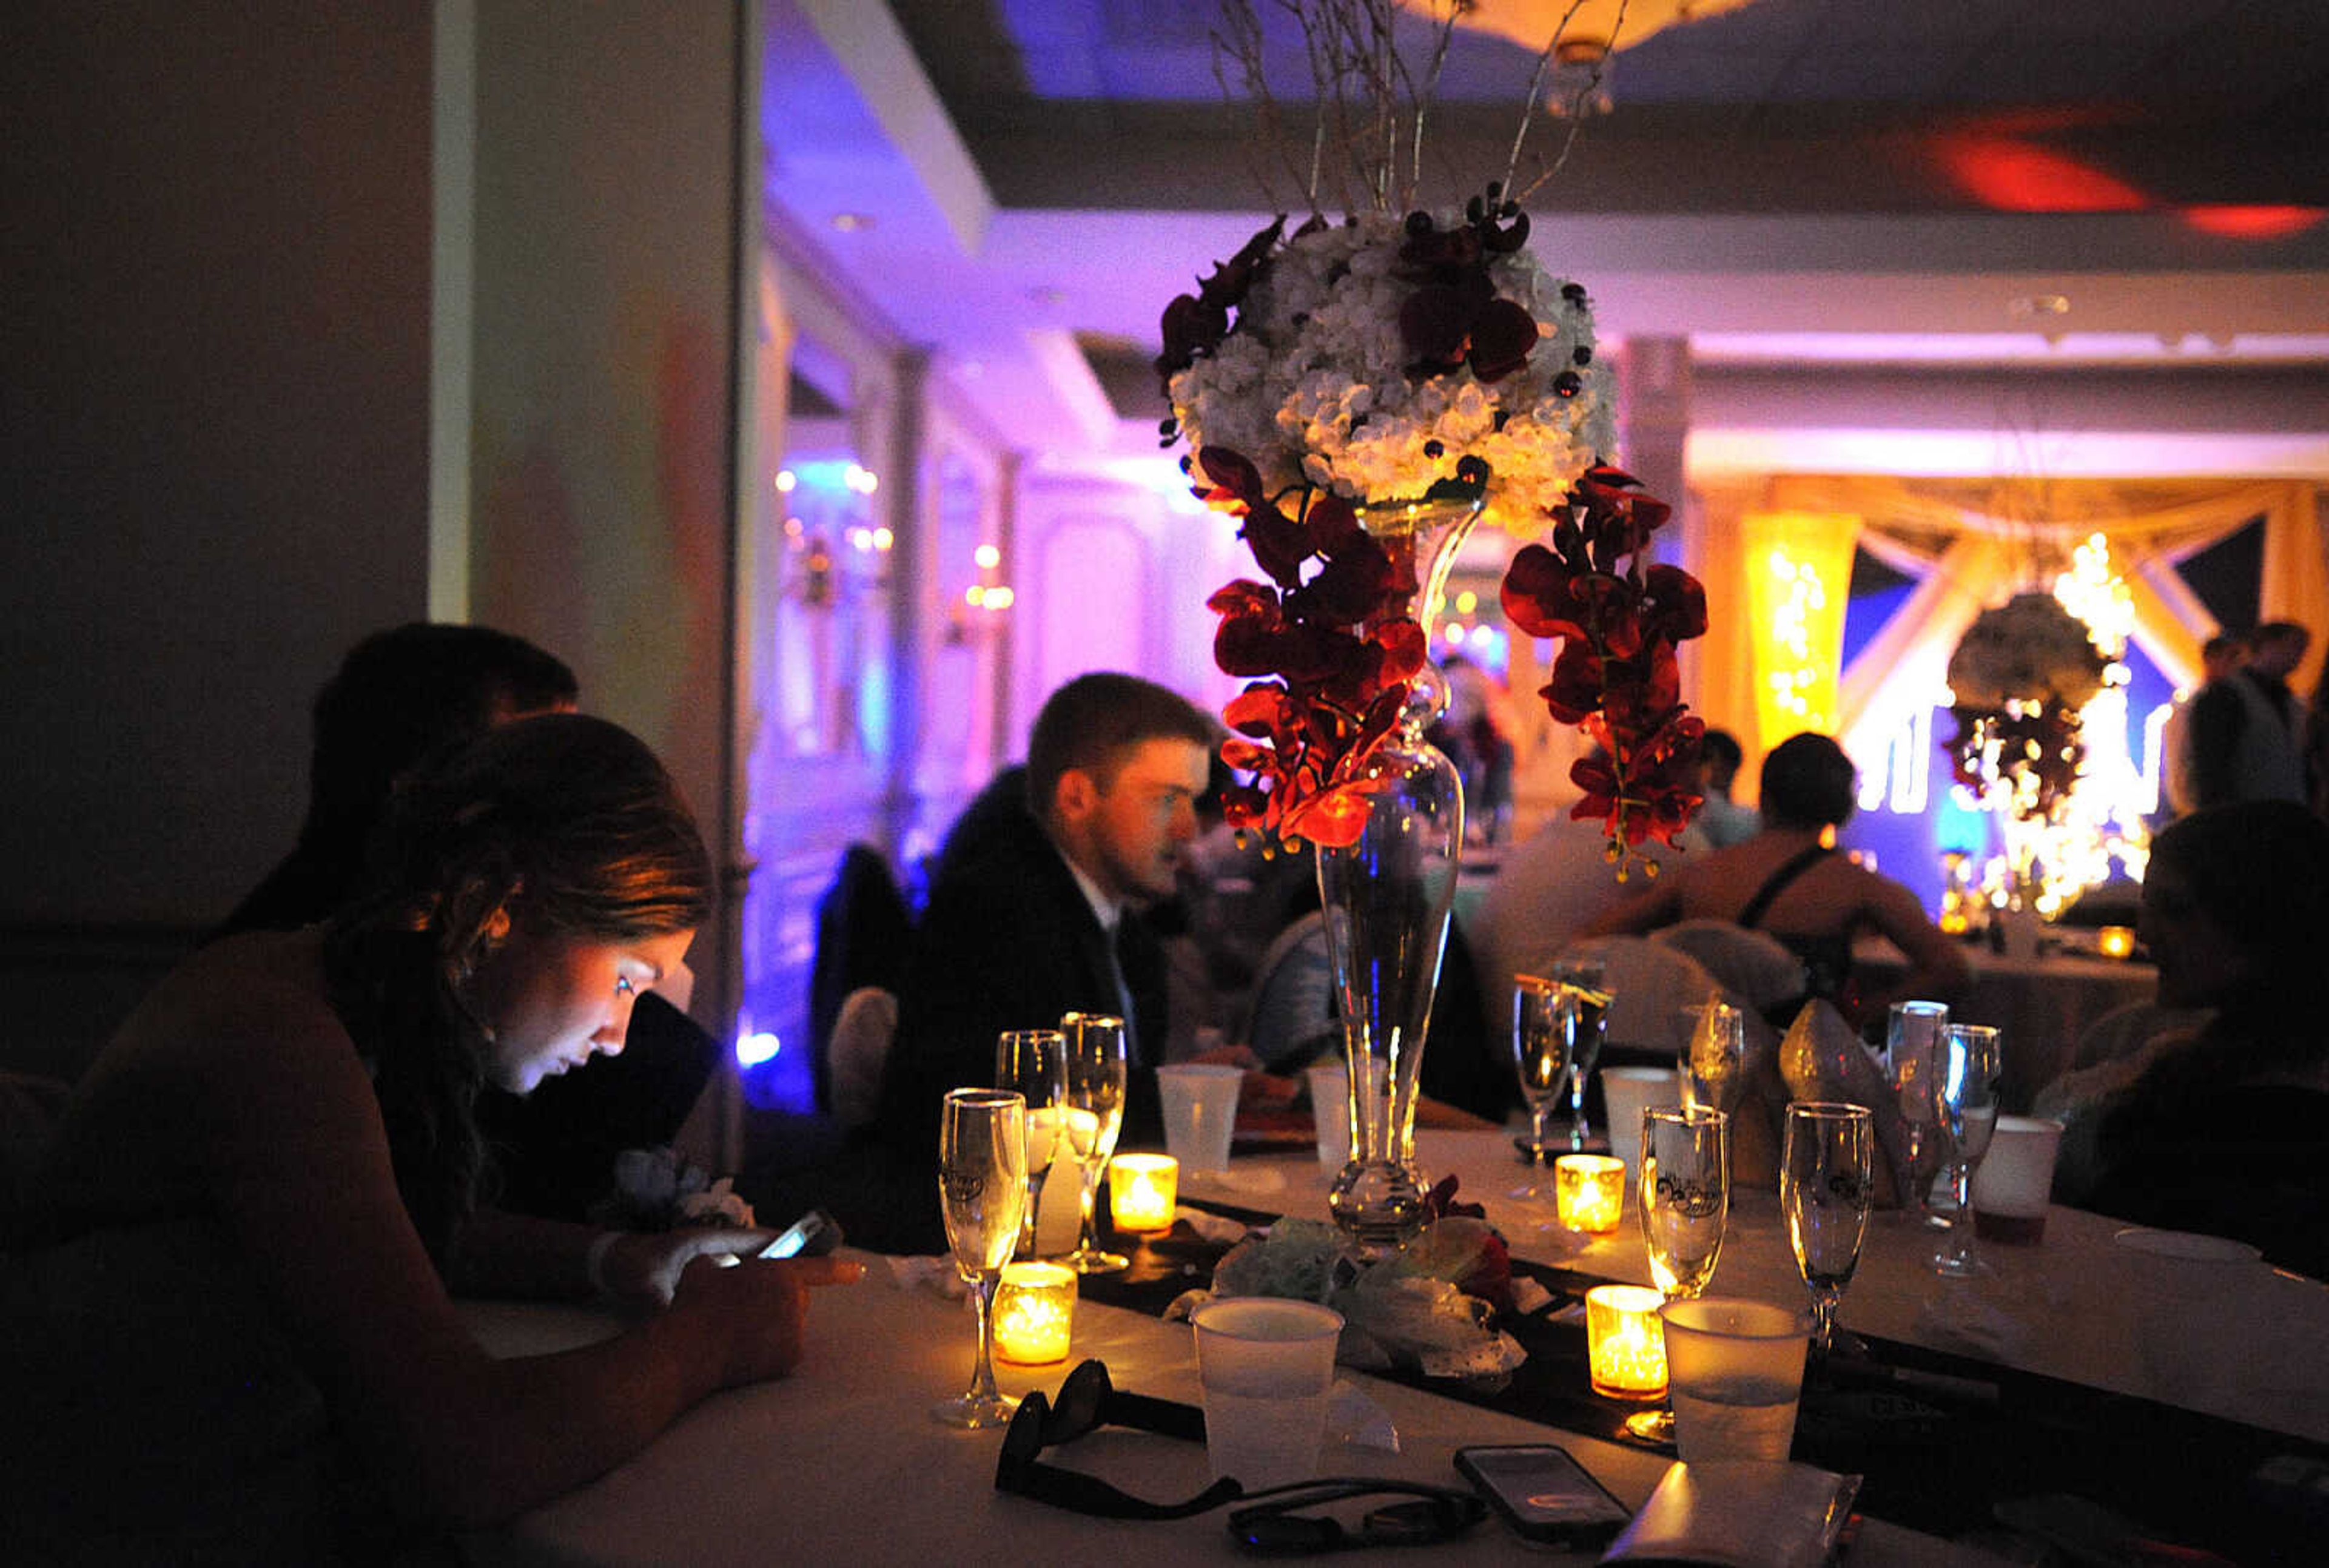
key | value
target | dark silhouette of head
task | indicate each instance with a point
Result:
(1719, 755)
(1807, 782)
(400, 696)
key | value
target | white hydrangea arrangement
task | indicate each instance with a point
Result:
(2029, 650)
(1316, 382)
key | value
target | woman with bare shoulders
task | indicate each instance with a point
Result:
(279, 1148)
(1789, 881)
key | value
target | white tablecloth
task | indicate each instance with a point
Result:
(843, 1463)
(2240, 1340)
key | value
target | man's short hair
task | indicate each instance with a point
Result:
(2223, 643)
(2280, 631)
(1721, 748)
(1091, 724)
(1807, 783)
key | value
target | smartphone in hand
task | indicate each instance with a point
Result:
(813, 1235)
(1544, 1494)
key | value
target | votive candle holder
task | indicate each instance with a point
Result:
(1624, 1342)
(1035, 1313)
(1142, 1189)
(1589, 1192)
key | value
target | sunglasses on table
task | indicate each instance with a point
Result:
(1270, 1524)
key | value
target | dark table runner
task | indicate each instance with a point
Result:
(1942, 1439)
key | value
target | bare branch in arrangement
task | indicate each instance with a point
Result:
(1371, 106)
(1237, 49)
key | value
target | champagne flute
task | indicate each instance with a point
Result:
(1096, 1068)
(1714, 1062)
(1034, 1063)
(1826, 1183)
(1545, 1022)
(1972, 1062)
(1912, 1047)
(983, 1187)
(1583, 976)
(1683, 1194)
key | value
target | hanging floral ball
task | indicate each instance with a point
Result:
(2029, 649)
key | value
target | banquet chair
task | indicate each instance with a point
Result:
(865, 929)
(1754, 967)
(858, 1053)
(1292, 1018)
(1649, 985)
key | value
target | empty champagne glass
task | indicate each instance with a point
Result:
(1096, 1067)
(1584, 978)
(1827, 1185)
(1714, 1062)
(1912, 1048)
(1682, 1194)
(1545, 1023)
(983, 1187)
(1034, 1063)
(1971, 1064)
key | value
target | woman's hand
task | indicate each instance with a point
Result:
(641, 1269)
(760, 1306)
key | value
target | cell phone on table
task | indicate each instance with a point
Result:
(1544, 1494)
(813, 1235)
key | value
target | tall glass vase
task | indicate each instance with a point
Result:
(1387, 900)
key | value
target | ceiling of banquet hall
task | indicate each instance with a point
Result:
(2124, 188)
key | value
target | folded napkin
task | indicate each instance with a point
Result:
(1256, 1179)
(1359, 1421)
(1739, 1513)
(938, 1274)
(1211, 1227)
(1961, 1321)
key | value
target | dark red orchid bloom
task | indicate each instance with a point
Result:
(1619, 620)
(1539, 594)
(1193, 324)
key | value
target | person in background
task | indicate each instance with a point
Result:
(2220, 655)
(400, 696)
(2220, 1126)
(231, 1298)
(1548, 889)
(1721, 822)
(1789, 880)
(2248, 729)
(1040, 905)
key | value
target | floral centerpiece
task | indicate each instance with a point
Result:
(1341, 386)
(1433, 1307)
(2017, 680)
(1361, 393)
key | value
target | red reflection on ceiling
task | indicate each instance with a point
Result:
(2008, 175)
(2229, 223)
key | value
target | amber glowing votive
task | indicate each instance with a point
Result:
(1141, 1191)
(1035, 1311)
(2115, 942)
(1589, 1191)
(1625, 1343)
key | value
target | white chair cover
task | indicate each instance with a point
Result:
(859, 1053)
(1755, 966)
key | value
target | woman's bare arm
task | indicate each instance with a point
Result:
(282, 1120)
(1657, 907)
(1938, 970)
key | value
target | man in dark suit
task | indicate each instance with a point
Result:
(1039, 904)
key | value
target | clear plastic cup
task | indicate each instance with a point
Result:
(1267, 1368)
(1734, 1373)
(1199, 1103)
